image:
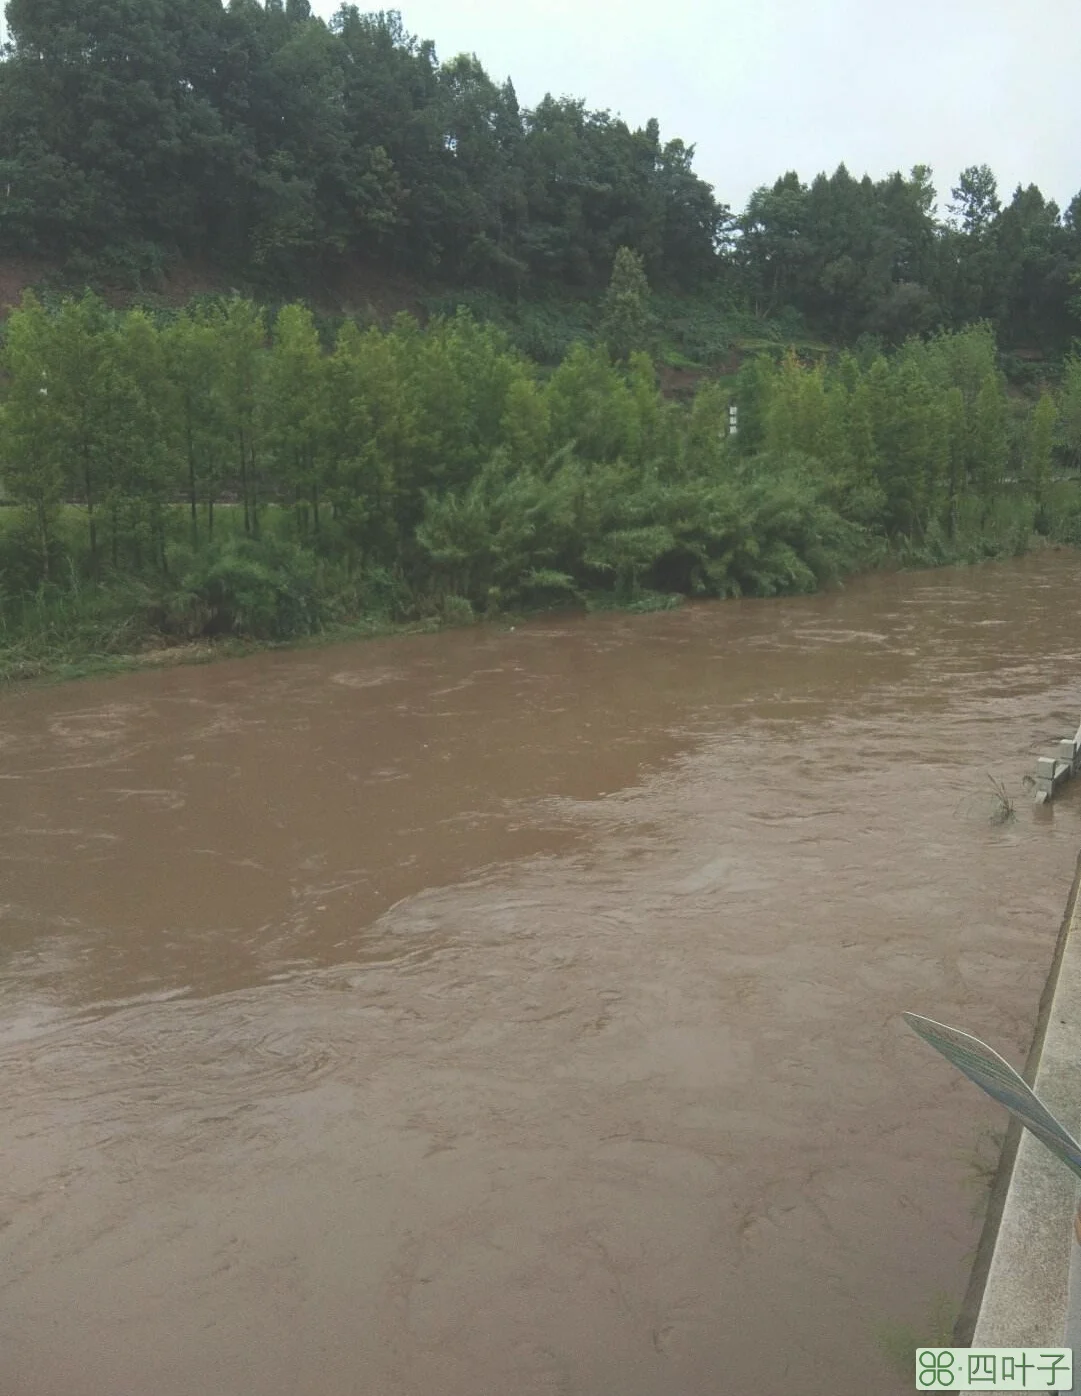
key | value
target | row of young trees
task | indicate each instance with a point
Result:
(258, 138)
(922, 435)
(442, 458)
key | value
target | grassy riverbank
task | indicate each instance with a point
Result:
(67, 632)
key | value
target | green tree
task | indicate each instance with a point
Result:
(625, 314)
(143, 440)
(704, 445)
(296, 411)
(590, 406)
(80, 387)
(1041, 445)
(192, 351)
(240, 328)
(988, 441)
(908, 442)
(30, 452)
(975, 200)
(755, 386)
(526, 423)
(1070, 409)
(107, 98)
(955, 433)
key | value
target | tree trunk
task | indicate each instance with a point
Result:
(159, 528)
(43, 530)
(91, 521)
(191, 488)
(244, 481)
(254, 472)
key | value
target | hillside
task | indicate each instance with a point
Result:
(204, 146)
(360, 289)
(373, 294)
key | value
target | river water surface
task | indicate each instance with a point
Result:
(497, 1013)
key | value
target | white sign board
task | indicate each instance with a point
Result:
(998, 1078)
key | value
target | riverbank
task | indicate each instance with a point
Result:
(159, 652)
(77, 658)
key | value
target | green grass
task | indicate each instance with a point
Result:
(673, 358)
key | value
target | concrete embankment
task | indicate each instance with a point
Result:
(1017, 1296)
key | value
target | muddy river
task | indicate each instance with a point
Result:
(498, 1013)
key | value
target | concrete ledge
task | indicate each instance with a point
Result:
(1053, 770)
(1017, 1294)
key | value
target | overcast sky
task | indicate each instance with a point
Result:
(761, 86)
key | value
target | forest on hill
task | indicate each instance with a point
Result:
(263, 141)
(242, 466)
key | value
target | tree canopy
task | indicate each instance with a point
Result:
(263, 140)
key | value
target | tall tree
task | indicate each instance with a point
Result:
(1070, 409)
(1041, 446)
(192, 351)
(241, 335)
(625, 315)
(30, 451)
(296, 413)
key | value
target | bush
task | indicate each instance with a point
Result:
(22, 565)
(457, 610)
(258, 588)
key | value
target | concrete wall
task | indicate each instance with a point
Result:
(1017, 1294)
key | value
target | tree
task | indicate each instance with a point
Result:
(1070, 409)
(525, 427)
(798, 418)
(143, 439)
(988, 437)
(80, 385)
(955, 434)
(773, 249)
(754, 392)
(625, 316)
(192, 351)
(296, 411)
(30, 458)
(590, 406)
(241, 333)
(107, 96)
(1041, 445)
(975, 200)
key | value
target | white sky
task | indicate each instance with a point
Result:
(763, 86)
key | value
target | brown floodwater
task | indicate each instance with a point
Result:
(497, 1013)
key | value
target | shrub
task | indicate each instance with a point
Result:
(263, 589)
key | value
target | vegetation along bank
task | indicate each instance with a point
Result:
(281, 456)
